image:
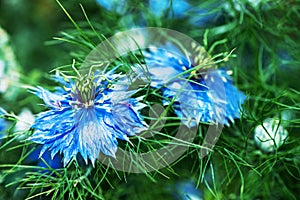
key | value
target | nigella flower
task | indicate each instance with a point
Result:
(3, 124)
(87, 116)
(186, 190)
(2, 121)
(198, 14)
(2, 128)
(118, 6)
(202, 94)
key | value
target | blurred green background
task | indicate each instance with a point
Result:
(31, 24)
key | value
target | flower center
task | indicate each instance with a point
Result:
(200, 63)
(83, 92)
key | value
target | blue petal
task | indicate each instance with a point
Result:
(2, 124)
(68, 83)
(51, 99)
(53, 119)
(198, 102)
(128, 119)
(186, 190)
(3, 127)
(164, 64)
(94, 136)
(178, 7)
(187, 105)
(228, 104)
(158, 7)
(118, 6)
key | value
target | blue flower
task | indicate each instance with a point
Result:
(186, 190)
(87, 116)
(178, 7)
(114, 5)
(3, 125)
(198, 14)
(201, 94)
(2, 128)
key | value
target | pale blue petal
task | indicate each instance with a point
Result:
(127, 119)
(51, 99)
(94, 136)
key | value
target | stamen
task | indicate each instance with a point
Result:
(83, 93)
